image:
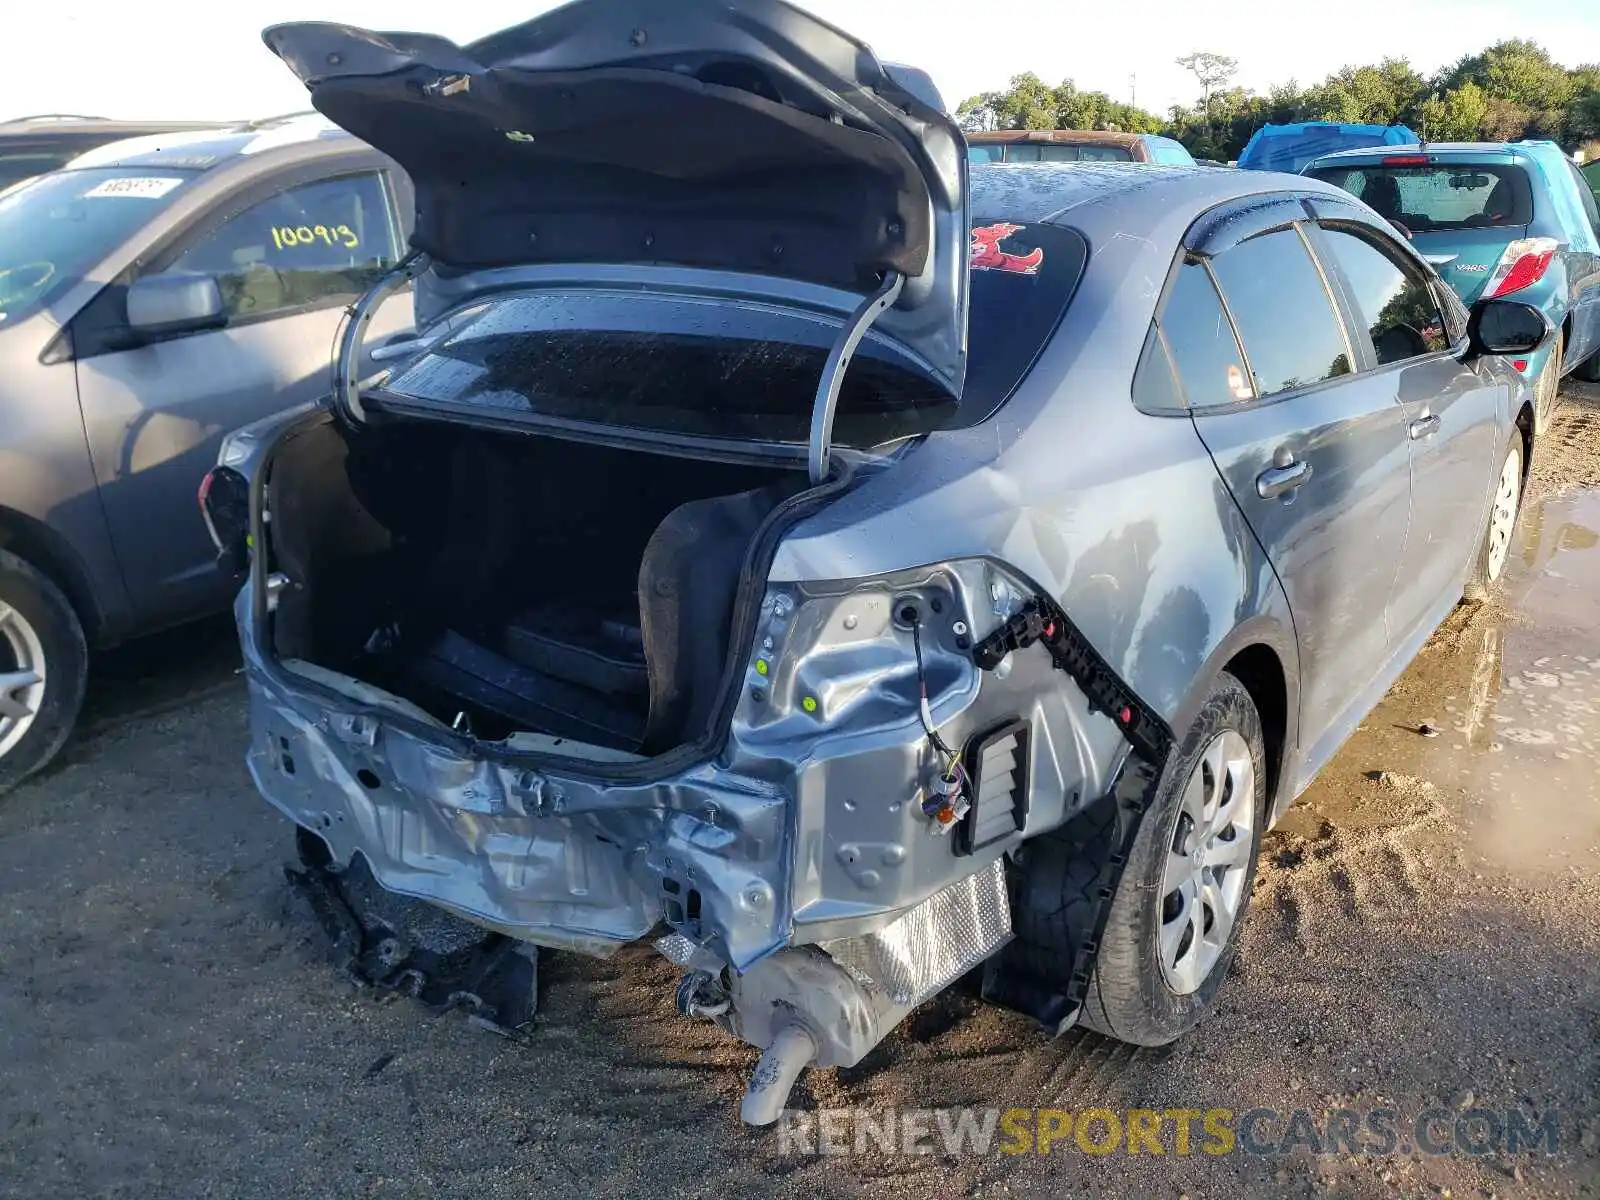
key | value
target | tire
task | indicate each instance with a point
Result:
(38, 629)
(1547, 388)
(1135, 996)
(1505, 509)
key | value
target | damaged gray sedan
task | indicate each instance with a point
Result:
(843, 572)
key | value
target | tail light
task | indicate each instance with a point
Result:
(1523, 264)
(225, 504)
(1405, 160)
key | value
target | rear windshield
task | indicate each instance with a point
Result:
(1439, 195)
(1046, 152)
(732, 369)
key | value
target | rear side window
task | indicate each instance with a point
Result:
(1396, 302)
(1440, 195)
(1285, 316)
(1200, 339)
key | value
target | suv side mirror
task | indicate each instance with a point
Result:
(1506, 327)
(163, 305)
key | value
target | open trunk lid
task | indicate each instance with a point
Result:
(745, 152)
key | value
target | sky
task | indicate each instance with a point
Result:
(204, 60)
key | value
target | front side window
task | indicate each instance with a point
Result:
(1439, 195)
(313, 244)
(1286, 319)
(56, 227)
(1396, 304)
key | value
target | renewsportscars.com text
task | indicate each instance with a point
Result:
(1263, 1132)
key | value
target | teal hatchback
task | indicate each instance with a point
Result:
(1495, 218)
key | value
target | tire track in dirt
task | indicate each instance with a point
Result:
(1372, 874)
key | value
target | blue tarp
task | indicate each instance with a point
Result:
(1291, 147)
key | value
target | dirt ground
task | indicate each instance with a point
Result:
(1425, 931)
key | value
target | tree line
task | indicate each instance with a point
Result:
(1511, 90)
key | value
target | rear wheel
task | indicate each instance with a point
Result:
(1547, 388)
(43, 670)
(1503, 512)
(1174, 922)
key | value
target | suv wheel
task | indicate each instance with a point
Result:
(43, 670)
(1174, 922)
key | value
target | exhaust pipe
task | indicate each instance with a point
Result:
(781, 1063)
(828, 1005)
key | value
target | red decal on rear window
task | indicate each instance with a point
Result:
(987, 255)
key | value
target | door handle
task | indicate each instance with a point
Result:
(1281, 480)
(1424, 426)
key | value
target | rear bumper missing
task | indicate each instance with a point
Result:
(561, 862)
(806, 829)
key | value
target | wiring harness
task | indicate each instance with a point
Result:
(950, 799)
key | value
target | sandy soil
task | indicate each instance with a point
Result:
(1425, 930)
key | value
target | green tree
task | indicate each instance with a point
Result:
(1211, 70)
(1457, 116)
(1029, 103)
(1510, 90)
(1517, 71)
(1386, 94)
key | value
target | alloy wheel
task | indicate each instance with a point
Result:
(1208, 859)
(22, 677)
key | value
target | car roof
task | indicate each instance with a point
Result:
(205, 149)
(1118, 198)
(1070, 137)
(72, 125)
(1525, 147)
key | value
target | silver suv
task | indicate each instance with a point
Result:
(155, 294)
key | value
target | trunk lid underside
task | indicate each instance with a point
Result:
(754, 141)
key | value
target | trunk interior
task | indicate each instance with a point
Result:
(515, 583)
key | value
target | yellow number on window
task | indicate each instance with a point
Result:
(304, 236)
(351, 241)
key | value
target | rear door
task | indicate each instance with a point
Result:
(289, 255)
(1313, 454)
(1452, 415)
